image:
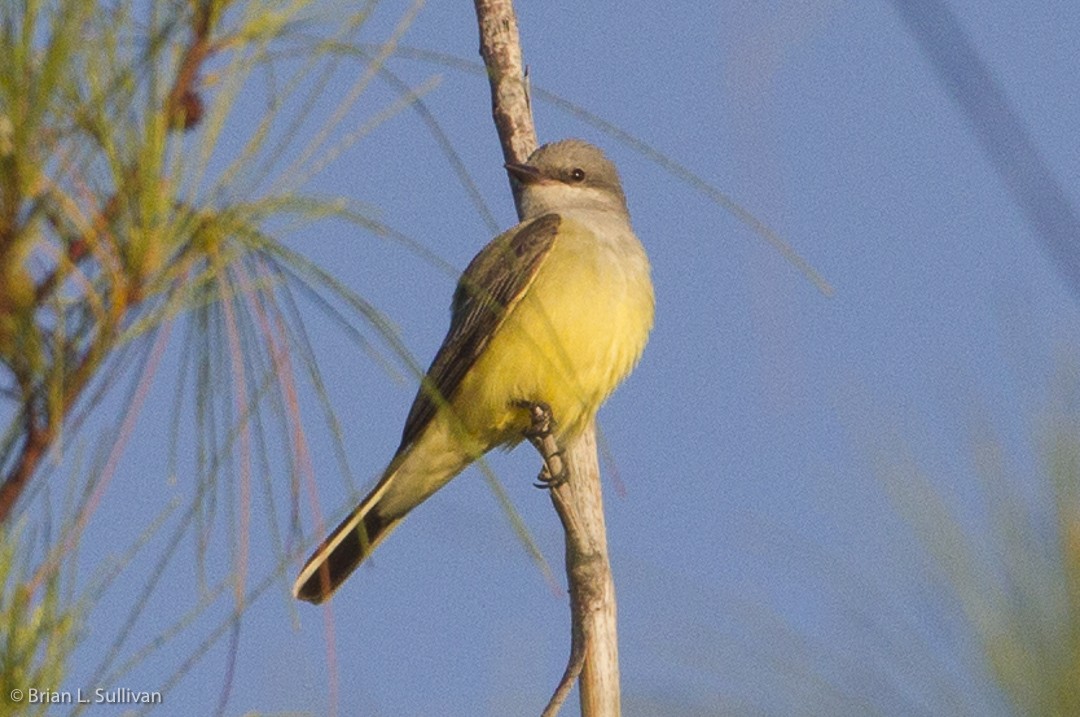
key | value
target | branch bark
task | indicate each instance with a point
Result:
(592, 588)
(500, 46)
(594, 653)
(594, 646)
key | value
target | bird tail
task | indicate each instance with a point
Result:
(418, 470)
(343, 550)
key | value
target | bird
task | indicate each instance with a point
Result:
(554, 312)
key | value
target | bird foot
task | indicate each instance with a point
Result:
(540, 434)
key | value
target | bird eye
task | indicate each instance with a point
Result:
(578, 174)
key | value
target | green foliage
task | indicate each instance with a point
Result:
(39, 626)
(1017, 581)
(129, 204)
(1035, 653)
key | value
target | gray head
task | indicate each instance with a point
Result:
(567, 175)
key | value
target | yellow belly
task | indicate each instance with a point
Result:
(574, 336)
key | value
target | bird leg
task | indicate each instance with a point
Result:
(541, 434)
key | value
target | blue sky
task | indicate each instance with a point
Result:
(761, 565)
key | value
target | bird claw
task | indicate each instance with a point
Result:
(545, 481)
(540, 435)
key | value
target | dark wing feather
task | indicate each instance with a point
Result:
(488, 290)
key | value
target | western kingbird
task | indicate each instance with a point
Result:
(556, 311)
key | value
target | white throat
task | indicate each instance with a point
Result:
(547, 197)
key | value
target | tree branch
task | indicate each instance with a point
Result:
(592, 588)
(500, 47)
(594, 651)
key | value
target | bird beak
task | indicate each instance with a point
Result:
(524, 173)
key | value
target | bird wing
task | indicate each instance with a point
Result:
(491, 286)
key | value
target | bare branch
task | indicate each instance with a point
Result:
(592, 588)
(573, 478)
(500, 47)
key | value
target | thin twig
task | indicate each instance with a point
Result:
(37, 442)
(554, 476)
(500, 47)
(184, 106)
(588, 570)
